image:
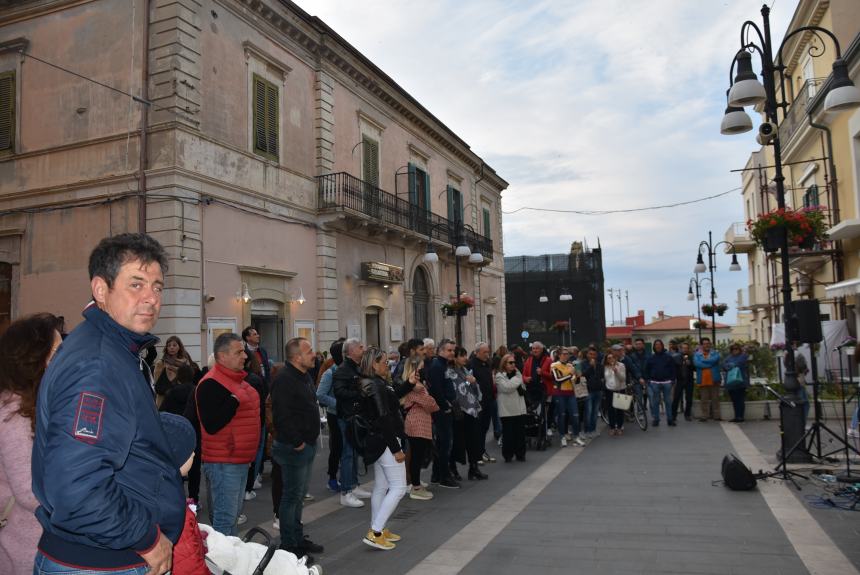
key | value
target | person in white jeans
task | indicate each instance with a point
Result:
(381, 407)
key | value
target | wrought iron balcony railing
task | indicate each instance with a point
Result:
(343, 192)
(796, 115)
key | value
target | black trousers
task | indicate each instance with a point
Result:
(335, 445)
(468, 440)
(418, 450)
(458, 442)
(685, 390)
(277, 487)
(194, 472)
(514, 437)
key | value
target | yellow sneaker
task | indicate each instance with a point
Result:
(389, 536)
(380, 542)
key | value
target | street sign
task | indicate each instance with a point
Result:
(524, 335)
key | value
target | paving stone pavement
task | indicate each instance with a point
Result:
(642, 503)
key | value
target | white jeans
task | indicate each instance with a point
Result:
(389, 487)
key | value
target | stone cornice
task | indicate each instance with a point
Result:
(807, 14)
(36, 8)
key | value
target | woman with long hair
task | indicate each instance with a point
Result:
(512, 408)
(383, 450)
(615, 376)
(167, 367)
(26, 348)
(419, 406)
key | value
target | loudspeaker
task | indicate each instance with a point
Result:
(736, 475)
(807, 321)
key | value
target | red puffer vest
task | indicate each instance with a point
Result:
(189, 553)
(237, 441)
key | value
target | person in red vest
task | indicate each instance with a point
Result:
(229, 412)
(537, 375)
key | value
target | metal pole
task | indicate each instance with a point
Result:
(698, 307)
(458, 325)
(627, 297)
(711, 265)
(620, 320)
(612, 305)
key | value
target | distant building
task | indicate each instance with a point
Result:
(668, 328)
(556, 298)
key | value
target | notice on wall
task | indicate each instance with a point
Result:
(396, 333)
(353, 331)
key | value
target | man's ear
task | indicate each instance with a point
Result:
(99, 287)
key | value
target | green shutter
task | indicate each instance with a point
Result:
(449, 191)
(427, 192)
(370, 168)
(266, 118)
(413, 185)
(486, 214)
(7, 112)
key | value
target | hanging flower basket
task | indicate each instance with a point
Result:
(708, 309)
(721, 309)
(803, 227)
(560, 326)
(700, 324)
(460, 308)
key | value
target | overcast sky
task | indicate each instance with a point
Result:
(584, 104)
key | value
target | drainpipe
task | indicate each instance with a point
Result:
(143, 162)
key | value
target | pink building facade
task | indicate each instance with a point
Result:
(295, 185)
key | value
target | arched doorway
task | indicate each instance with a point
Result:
(420, 304)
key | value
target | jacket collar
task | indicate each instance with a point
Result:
(132, 341)
(234, 376)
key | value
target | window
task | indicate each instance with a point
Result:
(419, 198)
(420, 304)
(7, 112)
(266, 118)
(455, 204)
(810, 197)
(487, 230)
(370, 167)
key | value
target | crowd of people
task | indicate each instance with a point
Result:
(99, 432)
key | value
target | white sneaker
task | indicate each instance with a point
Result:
(249, 495)
(276, 523)
(315, 570)
(350, 500)
(563, 441)
(258, 482)
(549, 432)
(420, 494)
(308, 497)
(568, 436)
(578, 442)
(242, 519)
(361, 493)
(582, 437)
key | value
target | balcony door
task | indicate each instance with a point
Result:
(420, 305)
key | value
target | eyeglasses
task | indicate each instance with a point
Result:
(510, 362)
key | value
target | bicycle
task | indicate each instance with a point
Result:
(637, 411)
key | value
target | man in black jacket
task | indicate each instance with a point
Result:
(483, 372)
(347, 393)
(685, 373)
(442, 390)
(296, 416)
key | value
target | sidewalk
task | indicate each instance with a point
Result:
(642, 503)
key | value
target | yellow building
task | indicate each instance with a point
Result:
(820, 151)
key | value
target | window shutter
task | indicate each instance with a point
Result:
(370, 169)
(266, 123)
(486, 214)
(413, 186)
(427, 191)
(451, 208)
(7, 112)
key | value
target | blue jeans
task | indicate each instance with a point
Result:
(443, 434)
(566, 405)
(348, 461)
(258, 462)
(44, 566)
(296, 469)
(656, 391)
(592, 408)
(225, 492)
(738, 395)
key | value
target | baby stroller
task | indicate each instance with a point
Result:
(536, 421)
(261, 556)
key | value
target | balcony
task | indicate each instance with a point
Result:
(343, 193)
(738, 235)
(796, 116)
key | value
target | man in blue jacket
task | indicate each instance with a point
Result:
(111, 497)
(442, 390)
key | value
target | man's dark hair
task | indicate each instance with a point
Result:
(223, 341)
(704, 339)
(185, 373)
(413, 344)
(443, 343)
(403, 349)
(247, 331)
(460, 351)
(336, 350)
(114, 252)
(639, 339)
(293, 347)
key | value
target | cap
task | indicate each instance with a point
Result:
(180, 433)
(617, 347)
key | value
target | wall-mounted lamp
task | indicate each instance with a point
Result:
(243, 294)
(543, 298)
(301, 299)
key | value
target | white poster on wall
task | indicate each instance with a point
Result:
(353, 331)
(396, 333)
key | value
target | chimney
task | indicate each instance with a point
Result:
(660, 315)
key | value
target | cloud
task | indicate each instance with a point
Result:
(589, 104)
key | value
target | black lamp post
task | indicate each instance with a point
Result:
(710, 249)
(459, 250)
(695, 281)
(746, 90)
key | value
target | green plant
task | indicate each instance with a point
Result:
(799, 224)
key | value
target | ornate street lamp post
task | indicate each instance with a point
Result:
(710, 249)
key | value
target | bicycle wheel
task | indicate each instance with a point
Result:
(603, 414)
(639, 413)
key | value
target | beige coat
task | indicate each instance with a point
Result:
(510, 402)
